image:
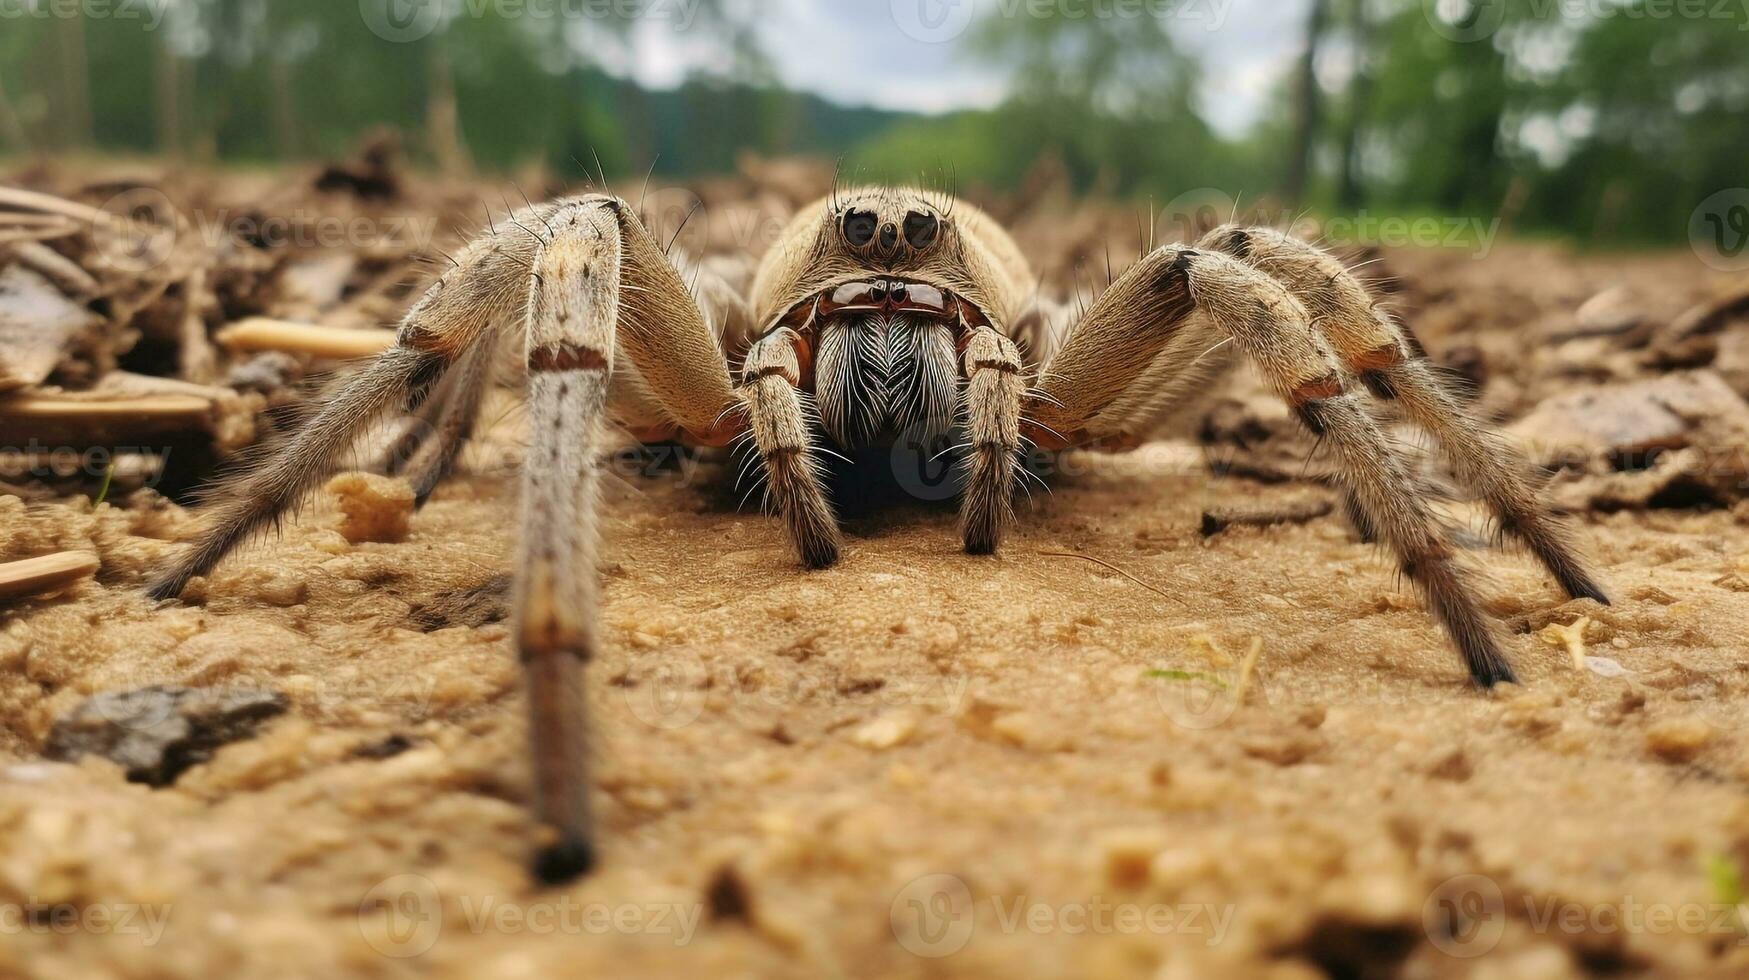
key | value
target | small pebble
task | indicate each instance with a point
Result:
(1679, 739)
(373, 508)
(885, 732)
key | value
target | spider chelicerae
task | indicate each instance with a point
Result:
(879, 311)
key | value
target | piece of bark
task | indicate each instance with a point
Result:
(1632, 420)
(125, 407)
(1711, 316)
(38, 325)
(197, 361)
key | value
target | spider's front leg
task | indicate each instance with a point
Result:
(590, 284)
(600, 286)
(1137, 321)
(779, 426)
(990, 404)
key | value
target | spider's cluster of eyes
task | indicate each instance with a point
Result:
(861, 227)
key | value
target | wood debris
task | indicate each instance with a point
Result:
(46, 573)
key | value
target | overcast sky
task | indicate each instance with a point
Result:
(897, 54)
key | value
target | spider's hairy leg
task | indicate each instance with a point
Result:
(264, 494)
(1112, 345)
(448, 319)
(1275, 331)
(780, 432)
(991, 404)
(573, 307)
(428, 451)
(1378, 351)
(600, 287)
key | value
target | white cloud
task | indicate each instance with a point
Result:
(854, 52)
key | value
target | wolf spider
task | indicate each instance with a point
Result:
(880, 311)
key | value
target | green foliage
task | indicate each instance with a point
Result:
(1606, 124)
(1187, 676)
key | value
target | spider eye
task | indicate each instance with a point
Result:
(859, 227)
(921, 229)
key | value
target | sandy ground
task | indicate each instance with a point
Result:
(915, 764)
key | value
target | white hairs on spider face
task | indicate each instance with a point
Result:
(877, 375)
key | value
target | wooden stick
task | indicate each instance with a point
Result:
(263, 333)
(45, 573)
(17, 220)
(34, 201)
(140, 408)
(1216, 521)
(43, 234)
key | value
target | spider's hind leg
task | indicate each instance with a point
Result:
(1135, 321)
(426, 452)
(449, 318)
(1378, 351)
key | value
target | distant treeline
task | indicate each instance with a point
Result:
(1606, 121)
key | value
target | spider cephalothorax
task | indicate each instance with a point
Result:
(879, 310)
(879, 339)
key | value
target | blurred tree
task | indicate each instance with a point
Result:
(1358, 106)
(1114, 97)
(1307, 104)
(1605, 121)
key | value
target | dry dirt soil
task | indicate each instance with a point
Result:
(1246, 754)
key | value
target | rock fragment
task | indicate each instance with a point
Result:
(156, 733)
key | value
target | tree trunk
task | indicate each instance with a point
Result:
(285, 123)
(1306, 107)
(11, 128)
(167, 93)
(75, 94)
(443, 118)
(1350, 192)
